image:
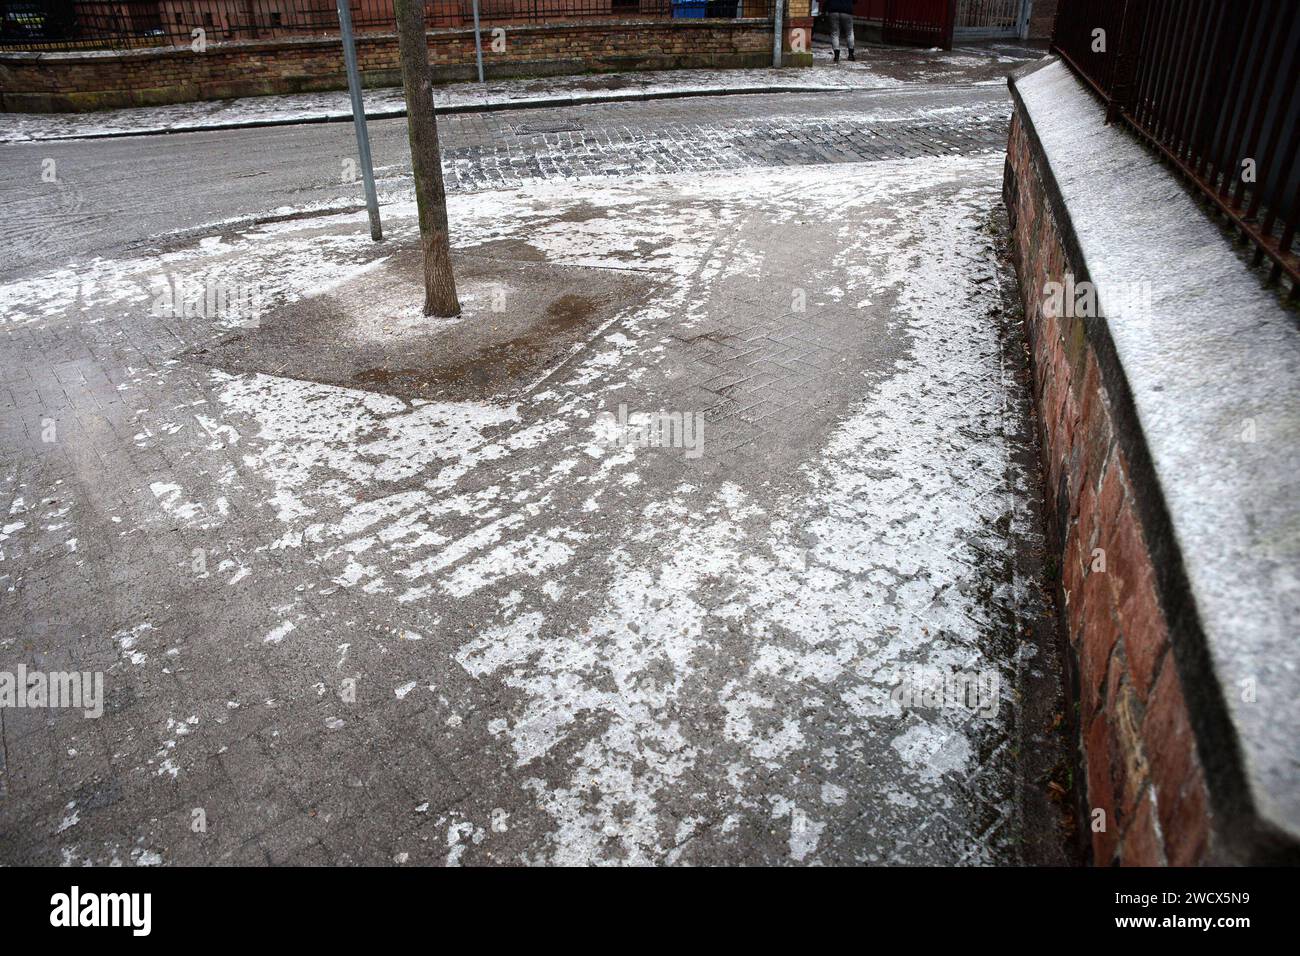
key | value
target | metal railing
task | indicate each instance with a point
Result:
(117, 24)
(991, 18)
(1211, 85)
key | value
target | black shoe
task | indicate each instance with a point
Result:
(837, 56)
(851, 56)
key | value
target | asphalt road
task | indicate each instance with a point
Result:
(110, 196)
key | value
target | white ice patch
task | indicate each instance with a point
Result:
(931, 751)
(858, 575)
(278, 633)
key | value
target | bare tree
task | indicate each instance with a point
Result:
(426, 160)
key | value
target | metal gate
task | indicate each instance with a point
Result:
(919, 22)
(990, 19)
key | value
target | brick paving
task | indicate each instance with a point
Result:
(560, 654)
(621, 139)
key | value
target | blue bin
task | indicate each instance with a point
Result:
(689, 9)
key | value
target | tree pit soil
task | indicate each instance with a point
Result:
(521, 322)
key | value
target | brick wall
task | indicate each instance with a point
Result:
(1042, 18)
(1138, 750)
(74, 82)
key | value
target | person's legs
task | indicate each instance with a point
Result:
(835, 34)
(848, 22)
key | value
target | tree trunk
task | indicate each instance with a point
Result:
(426, 160)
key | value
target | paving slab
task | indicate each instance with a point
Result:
(501, 633)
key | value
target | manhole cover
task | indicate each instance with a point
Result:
(555, 126)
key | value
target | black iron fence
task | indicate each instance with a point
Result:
(1213, 86)
(109, 24)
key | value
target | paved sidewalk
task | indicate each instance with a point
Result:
(879, 68)
(367, 587)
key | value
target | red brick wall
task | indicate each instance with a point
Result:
(72, 82)
(1137, 746)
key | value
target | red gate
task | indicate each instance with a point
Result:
(869, 9)
(919, 22)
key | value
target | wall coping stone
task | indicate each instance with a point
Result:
(1220, 515)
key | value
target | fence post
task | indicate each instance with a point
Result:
(359, 118)
(478, 43)
(776, 33)
(1120, 90)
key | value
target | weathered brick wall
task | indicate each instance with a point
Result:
(1042, 18)
(1137, 745)
(70, 82)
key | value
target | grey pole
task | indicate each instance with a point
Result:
(478, 43)
(359, 119)
(776, 36)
